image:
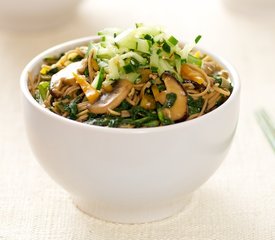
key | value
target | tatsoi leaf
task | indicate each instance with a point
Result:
(197, 39)
(43, 89)
(217, 79)
(164, 120)
(194, 106)
(73, 110)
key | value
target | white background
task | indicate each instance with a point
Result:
(238, 202)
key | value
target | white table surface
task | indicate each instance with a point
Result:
(238, 202)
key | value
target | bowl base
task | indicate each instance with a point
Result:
(127, 215)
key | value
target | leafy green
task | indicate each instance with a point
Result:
(220, 101)
(71, 108)
(86, 72)
(43, 89)
(104, 120)
(37, 97)
(164, 120)
(53, 71)
(153, 123)
(76, 59)
(217, 79)
(154, 69)
(123, 106)
(194, 106)
(161, 87)
(139, 117)
(139, 112)
(170, 100)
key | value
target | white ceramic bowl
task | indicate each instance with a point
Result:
(129, 175)
(35, 14)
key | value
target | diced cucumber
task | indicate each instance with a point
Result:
(107, 52)
(178, 63)
(143, 46)
(154, 59)
(126, 39)
(103, 64)
(132, 77)
(114, 65)
(97, 82)
(186, 50)
(109, 32)
(121, 54)
(143, 30)
(160, 37)
(134, 55)
(165, 66)
(194, 60)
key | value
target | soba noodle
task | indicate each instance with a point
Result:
(120, 90)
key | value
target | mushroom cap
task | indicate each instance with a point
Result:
(179, 110)
(65, 75)
(111, 100)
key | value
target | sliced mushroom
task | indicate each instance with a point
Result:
(148, 102)
(193, 73)
(113, 99)
(66, 75)
(179, 110)
(210, 66)
(92, 66)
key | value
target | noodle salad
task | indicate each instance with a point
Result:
(140, 77)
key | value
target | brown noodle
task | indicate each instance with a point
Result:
(209, 91)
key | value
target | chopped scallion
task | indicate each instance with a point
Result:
(100, 78)
(166, 47)
(173, 40)
(128, 68)
(197, 39)
(154, 69)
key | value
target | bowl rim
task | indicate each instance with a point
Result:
(84, 40)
